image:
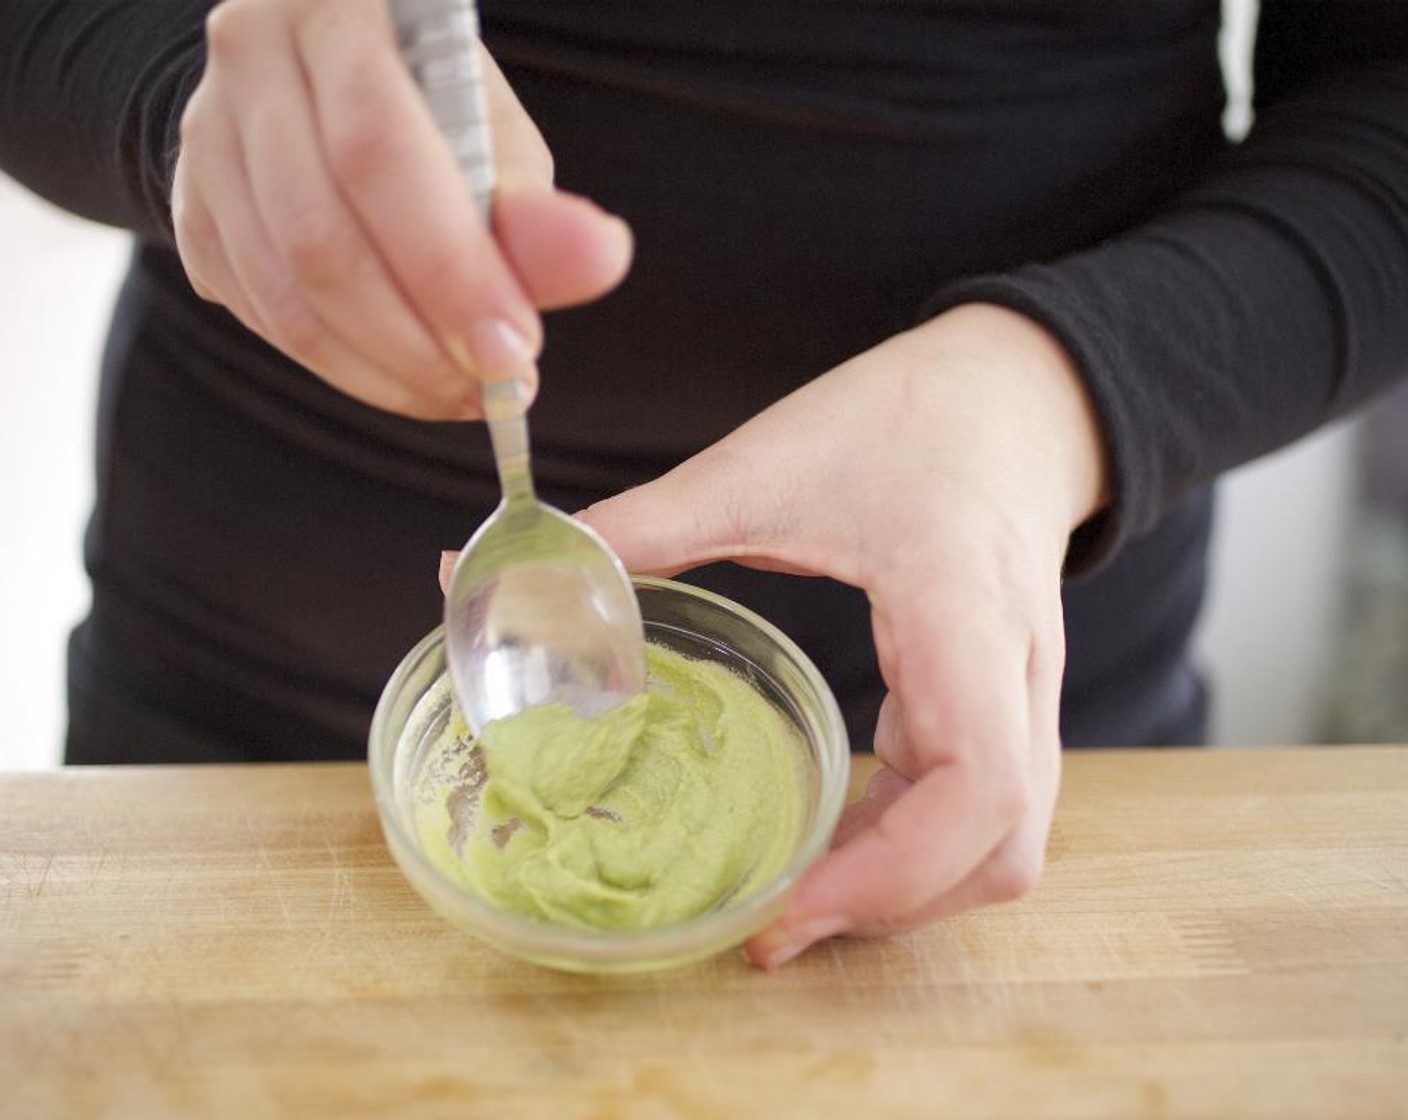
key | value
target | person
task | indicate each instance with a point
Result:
(959, 308)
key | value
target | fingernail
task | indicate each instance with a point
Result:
(793, 940)
(497, 349)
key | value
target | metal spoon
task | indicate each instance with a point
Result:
(539, 609)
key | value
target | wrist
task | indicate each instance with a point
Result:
(1045, 413)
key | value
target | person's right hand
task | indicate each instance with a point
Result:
(315, 198)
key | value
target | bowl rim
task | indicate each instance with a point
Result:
(528, 936)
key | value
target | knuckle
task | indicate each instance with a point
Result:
(226, 30)
(320, 251)
(194, 238)
(360, 141)
(1051, 644)
(186, 220)
(192, 116)
(294, 328)
(1012, 874)
(197, 277)
(1013, 800)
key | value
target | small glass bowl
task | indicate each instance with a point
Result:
(701, 625)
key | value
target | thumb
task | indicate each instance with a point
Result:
(565, 249)
(702, 511)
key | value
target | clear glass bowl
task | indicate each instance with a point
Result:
(699, 624)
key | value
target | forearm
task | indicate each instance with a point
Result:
(91, 95)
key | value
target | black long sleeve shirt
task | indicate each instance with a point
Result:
(803, 179)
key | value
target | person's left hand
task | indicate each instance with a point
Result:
(942, 472)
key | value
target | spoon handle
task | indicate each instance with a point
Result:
(439, 41)
(506, 414)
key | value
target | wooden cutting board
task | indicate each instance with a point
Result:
(1219, 933)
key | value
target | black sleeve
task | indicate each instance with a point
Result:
(91, 94)
(1270, 298)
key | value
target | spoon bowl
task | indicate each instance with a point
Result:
(540, 611)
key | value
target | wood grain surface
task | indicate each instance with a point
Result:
(1219, 933)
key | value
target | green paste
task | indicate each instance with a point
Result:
(680, 799)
